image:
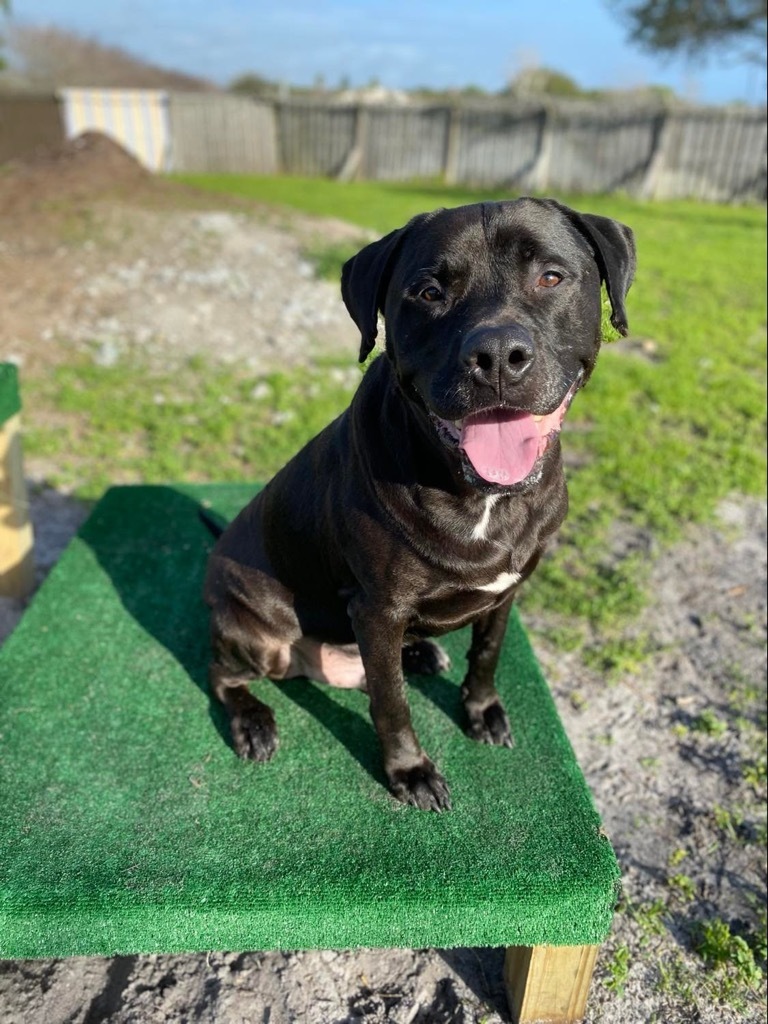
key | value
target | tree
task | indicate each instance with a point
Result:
(536, 81)
(696, 27)
(5, 8)
(46, 57)
(251, 84)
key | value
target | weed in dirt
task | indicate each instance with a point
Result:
(683, 887)
(618, 655)
(722, 967)
(709, 723)
(730, 959)
(618, 970)
(650, 918)
(756, 772)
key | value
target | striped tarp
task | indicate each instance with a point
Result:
(136, 118)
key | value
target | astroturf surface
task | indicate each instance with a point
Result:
(10, 403)
(128, 824)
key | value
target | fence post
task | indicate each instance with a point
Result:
(661, 136)
(453, 134)
(355, 164)
(273, 107)
(539, 176)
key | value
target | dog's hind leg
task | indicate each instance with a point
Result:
(246, 646)
(251, 721)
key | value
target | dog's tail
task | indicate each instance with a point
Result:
(214, 522)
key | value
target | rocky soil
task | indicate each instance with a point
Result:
(671, 747)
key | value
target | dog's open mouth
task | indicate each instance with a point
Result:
(504, 445)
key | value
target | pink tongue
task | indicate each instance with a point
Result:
(501, 445)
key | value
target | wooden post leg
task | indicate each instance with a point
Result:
(16, 570)
(548, 984)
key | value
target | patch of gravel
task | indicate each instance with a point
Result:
(213, 287)
(216, 284)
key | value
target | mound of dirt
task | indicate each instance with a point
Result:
(85, 166)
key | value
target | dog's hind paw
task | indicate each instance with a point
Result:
(421, 786)
(490, 725)
(425, 658)
(254, 733)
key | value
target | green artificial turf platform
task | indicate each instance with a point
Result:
(128, 824)
(10, 401)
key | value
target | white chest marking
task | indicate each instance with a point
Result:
(478, 532)
(503, 581)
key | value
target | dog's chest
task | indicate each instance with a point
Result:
(449, 607)
(484, 552)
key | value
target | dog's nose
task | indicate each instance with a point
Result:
(498, 354)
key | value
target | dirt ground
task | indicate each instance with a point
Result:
(93, 249)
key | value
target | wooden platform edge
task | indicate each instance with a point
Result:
(16, 541)
(548, 984)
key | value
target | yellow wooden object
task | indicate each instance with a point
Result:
(548, 984)
(16, 568)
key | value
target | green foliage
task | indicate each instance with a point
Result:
(677, 857)
(731, 967)
(683, 886)
(708, 722)
(5, 8)
(756, 772)
(723, 951)
(327, 260)
(543, 82)
(618, 655)
(649, 917)
(618, 970)
(253, 85)
(694, 27)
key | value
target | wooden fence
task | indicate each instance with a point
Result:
(712, 154)
(568, 147)
(211, 132)
(28, 125)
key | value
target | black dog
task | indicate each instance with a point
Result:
(425, 504)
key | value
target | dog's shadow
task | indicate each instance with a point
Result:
(158, 575)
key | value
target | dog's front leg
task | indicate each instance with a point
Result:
(412, 776)
(487, 719)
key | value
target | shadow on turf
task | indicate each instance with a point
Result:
(154, 548)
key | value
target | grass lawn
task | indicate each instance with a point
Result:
(666, 429)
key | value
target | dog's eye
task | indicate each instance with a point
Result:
(550, 279)
(431, 294)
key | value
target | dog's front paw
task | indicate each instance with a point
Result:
(489, 724)
(254, 732)
(421, 786)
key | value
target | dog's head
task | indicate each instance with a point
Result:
(492, 316)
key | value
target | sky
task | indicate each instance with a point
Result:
(401, 43)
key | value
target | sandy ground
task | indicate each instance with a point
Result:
(668, 746)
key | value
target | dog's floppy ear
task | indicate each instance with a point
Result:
(364, 282)
(614, 246)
